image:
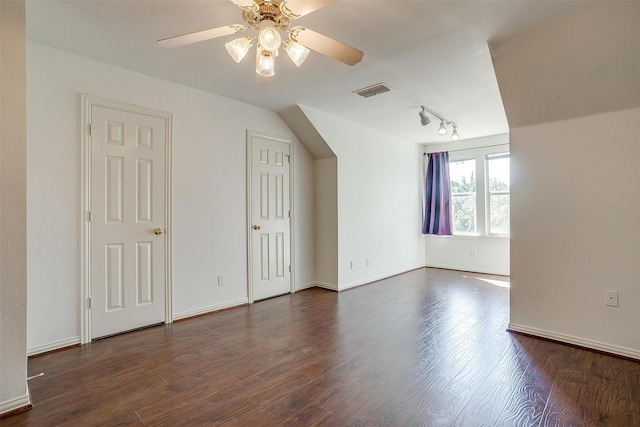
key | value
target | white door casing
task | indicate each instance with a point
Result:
(269, 215)
(126, 200)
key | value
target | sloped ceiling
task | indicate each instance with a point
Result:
(431, 53)
(594, 69)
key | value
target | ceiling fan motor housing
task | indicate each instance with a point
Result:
(267, 10)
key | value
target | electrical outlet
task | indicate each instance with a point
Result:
(221, 280)
(611, 298)
(473, 253)
(353, 264)
(368, 262)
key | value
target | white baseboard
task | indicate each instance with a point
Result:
(350, 285)
(374, 279)
(581, 342)
(305, 286)
(324, 285)
(210, 309)
(497, 272)
(15, 403)
(53, 346)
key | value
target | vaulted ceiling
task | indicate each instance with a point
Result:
(431, 53)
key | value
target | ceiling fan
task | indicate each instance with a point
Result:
(270, 18)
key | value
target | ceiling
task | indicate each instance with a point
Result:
(431, 53)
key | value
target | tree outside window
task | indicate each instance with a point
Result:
(498, 190)
(462, 174)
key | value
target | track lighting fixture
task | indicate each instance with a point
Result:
(442, 129)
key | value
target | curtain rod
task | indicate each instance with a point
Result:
(474, 148)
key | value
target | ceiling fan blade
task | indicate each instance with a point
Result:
(245, 4)
(297, 8)
(199, 36)
(326, 45)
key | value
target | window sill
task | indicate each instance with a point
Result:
(470, 236)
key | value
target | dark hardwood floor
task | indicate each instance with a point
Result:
(424, 348)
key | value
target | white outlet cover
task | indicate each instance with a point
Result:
(611, 298)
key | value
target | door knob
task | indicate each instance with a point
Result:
(158, 230)
(256, 227)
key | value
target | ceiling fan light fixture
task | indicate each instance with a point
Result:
(266, 66)
(442, 129)
(296, 52)
(270, 19)
(238, 48)
(269, 38)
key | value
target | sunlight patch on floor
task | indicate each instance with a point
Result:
(495, 282)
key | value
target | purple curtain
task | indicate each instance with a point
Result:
(437, 211)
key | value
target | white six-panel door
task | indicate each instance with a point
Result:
(127, 220)
(269, 213)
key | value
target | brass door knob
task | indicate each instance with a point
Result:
(256, 227)
(158, 231)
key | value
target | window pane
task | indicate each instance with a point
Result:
(464, 214)
(498, 182)
(462, 175)
(499, 208)
(498, 173)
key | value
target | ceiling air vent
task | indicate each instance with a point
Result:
(370, 91)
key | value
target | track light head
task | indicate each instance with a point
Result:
(442, 129)
(455, 135)
(424, 119)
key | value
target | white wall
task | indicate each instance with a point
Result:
(304, 218)
(378, 200)
(454, 252)
(209, 187)
(326, 222)
(571, 91)
(13, 208)
(575, 230)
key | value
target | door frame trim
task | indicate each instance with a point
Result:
(250, 135)
(87, 102)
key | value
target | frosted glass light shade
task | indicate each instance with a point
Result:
(296, 52)
(266, 65)
(238, 48)
(269, 39)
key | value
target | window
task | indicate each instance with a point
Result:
(498, 186)
(462, 174)
(480, 191)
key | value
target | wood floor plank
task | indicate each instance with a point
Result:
(425, 348)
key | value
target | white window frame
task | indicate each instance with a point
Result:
(489, 193)
(480, 155)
